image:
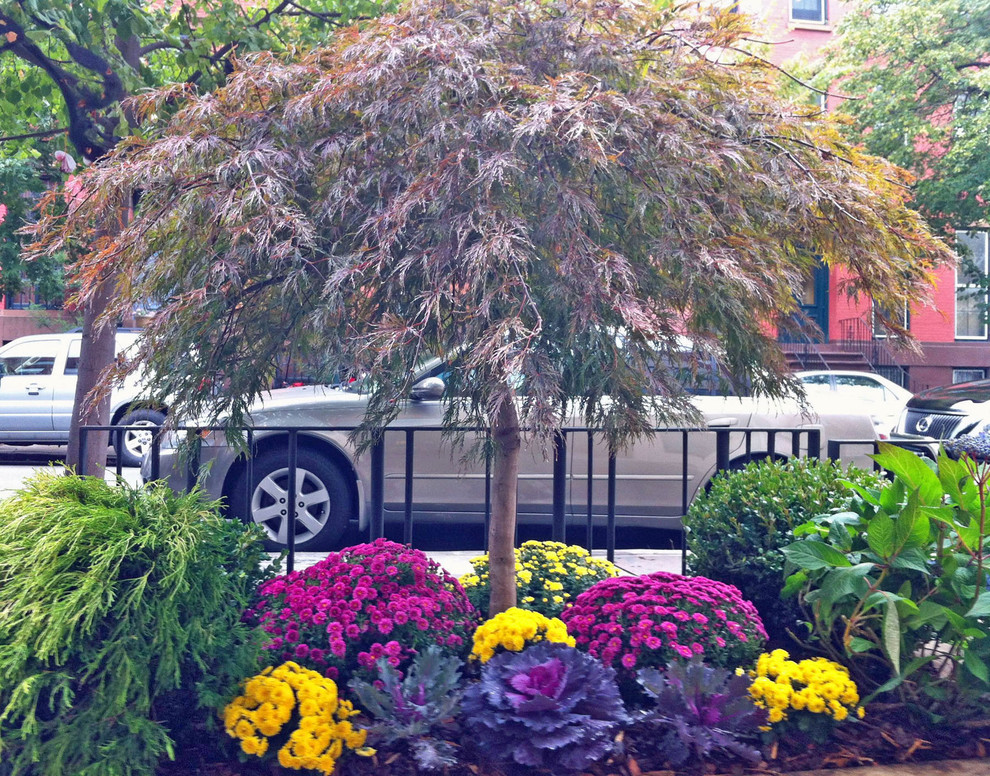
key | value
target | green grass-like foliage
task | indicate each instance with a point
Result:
(736, 529)
(119, 623)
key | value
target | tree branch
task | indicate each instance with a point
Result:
(29, 135)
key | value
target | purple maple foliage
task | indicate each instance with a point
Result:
(547, 706)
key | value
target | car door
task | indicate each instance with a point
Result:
(27, 382)
(64, 389)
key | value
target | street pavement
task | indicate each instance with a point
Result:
(18, 463)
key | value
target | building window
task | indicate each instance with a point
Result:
(879, 330)
(967, 375)
(809, 11)
(971, 290)
(30, 298)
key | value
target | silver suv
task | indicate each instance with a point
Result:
(38, 388)
(333, 483)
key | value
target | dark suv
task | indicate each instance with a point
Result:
(948, 411)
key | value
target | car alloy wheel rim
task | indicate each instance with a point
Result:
(270, 507)
(137, 441)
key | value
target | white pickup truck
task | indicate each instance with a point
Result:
(38, 387)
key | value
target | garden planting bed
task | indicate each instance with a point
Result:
(144, 636)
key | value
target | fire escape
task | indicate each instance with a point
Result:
(857, 349)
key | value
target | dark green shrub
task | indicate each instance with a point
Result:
(120, 626)
(735, 530)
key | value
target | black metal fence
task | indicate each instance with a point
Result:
(806, 441)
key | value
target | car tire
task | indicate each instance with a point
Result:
(322, 491)
(135, 443)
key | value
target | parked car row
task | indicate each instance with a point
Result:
(332, 482)
(37, 388)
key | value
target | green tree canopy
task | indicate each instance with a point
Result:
(554, 192)
(919, 71)
(67, 66)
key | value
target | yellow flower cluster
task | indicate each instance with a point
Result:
(276, 696)
(816, 685)
(549, 573)
(513, 629)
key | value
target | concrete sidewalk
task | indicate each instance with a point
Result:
(458, 562)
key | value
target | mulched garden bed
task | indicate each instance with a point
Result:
(884, 737)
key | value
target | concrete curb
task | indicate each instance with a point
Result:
(936, 768)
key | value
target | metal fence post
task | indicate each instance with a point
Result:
(721, 449)
(591, 491)
(407, 533)
(378, 488)
(559, 486)
(290, 495)
(610, 524)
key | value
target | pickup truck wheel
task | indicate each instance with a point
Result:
(136, 442)
(323, 501)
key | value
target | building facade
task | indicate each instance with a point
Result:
(953, 332)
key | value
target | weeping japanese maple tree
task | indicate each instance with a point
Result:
(553, 192)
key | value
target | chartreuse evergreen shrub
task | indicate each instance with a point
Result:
(120, 627)
(293, 714)
(548, 576)
(735, 530)
(896, 586)
(515, 629)
(549, 706)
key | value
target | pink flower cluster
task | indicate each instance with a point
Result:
(653, 619)
(365, 602)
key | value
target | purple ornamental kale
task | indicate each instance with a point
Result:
(700, 710)
(547, 706)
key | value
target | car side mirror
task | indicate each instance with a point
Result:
(428, 389)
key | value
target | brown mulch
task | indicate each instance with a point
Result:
(885, 737)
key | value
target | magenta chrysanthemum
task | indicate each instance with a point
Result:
(634, 622)
(368, 601)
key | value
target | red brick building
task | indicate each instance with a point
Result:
(953, 333)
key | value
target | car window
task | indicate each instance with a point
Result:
(30, 358)
(860, 387)
(72, 360)
(817, 384)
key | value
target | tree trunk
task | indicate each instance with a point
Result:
(502, 529)
(98, 352)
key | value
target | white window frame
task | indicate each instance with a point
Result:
(823, 17)
(878, 331)
(974, 370)
(960, 286)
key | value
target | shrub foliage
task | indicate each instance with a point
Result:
(736, 529)
(119, 623)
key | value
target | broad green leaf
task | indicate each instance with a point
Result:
(912, 558)
(841, 582)
(812, 555)
(969, 535)
(857, 644)
(839, 536)
(917, 475)
(976, 666)
(869, 496)
(793, 584)
(880, 536)
(892, 497)
(982, 606)
(892, 636)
